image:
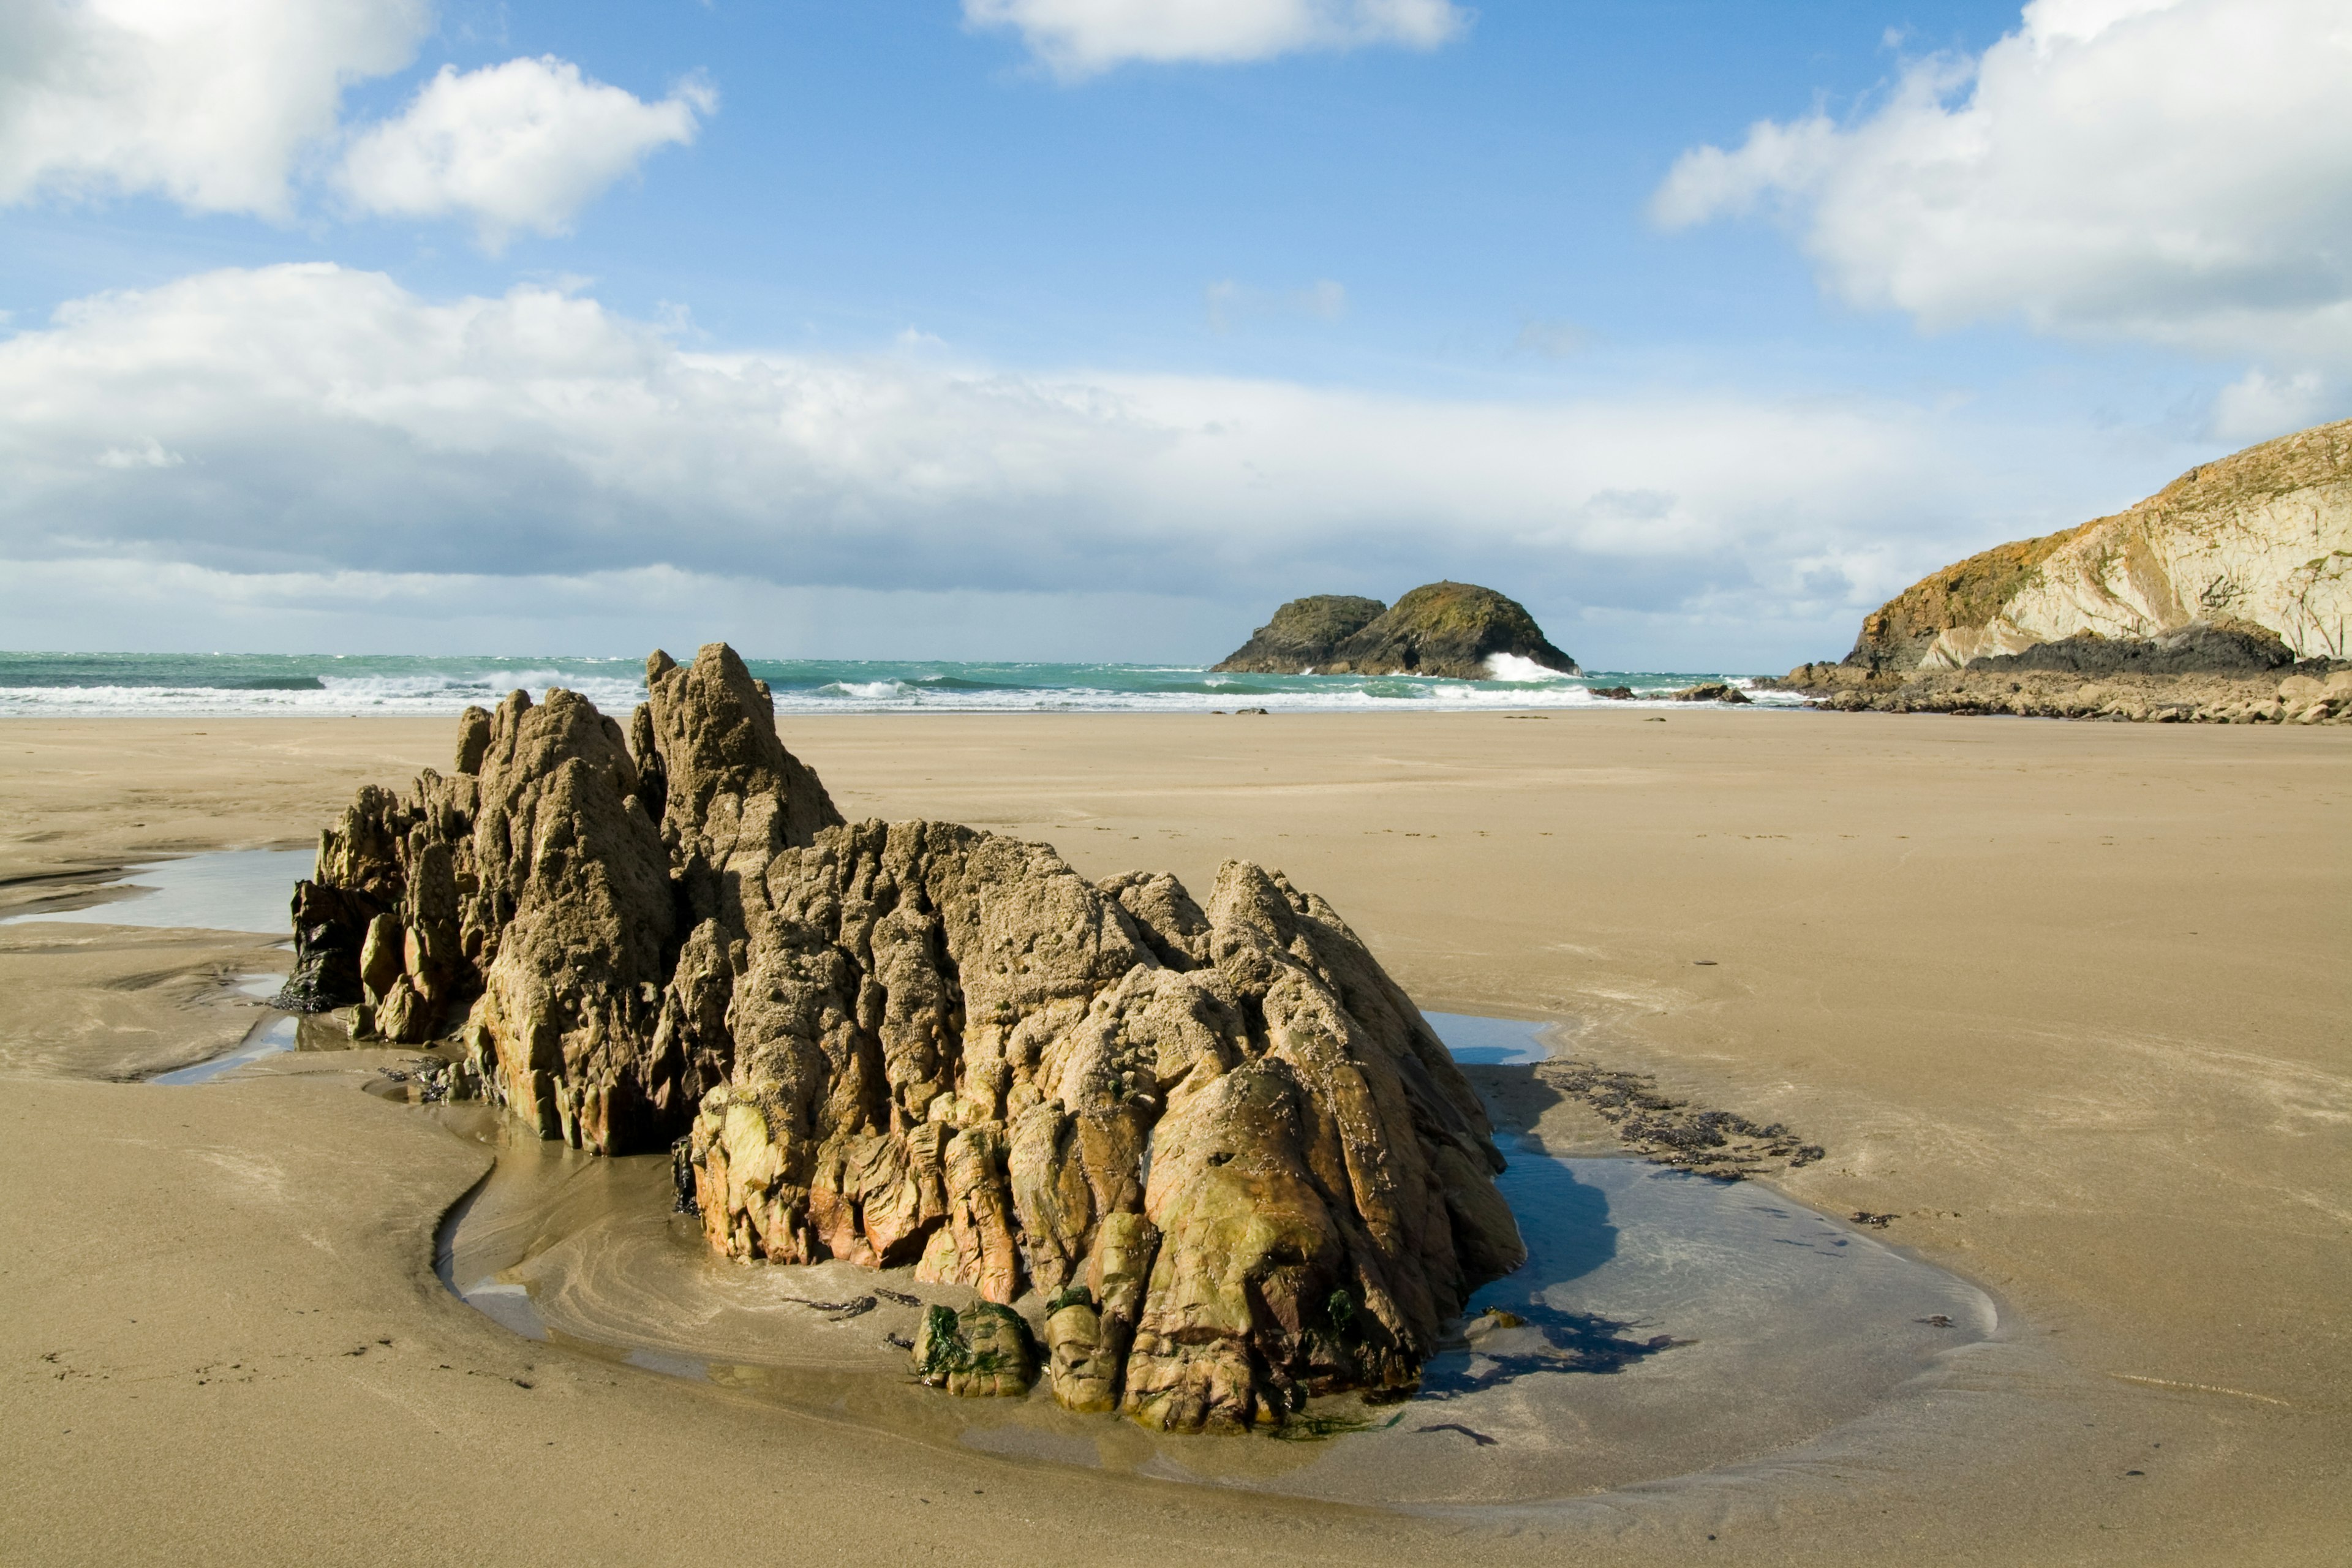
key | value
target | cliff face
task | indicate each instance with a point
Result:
(1446, 629)
(1221, 1140)
(2258, 542)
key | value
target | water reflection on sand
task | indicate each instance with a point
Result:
(1663, 1324)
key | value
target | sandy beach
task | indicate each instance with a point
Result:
(2067, 1000)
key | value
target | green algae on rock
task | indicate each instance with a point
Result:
(979, 1352)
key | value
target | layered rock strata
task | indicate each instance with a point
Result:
(1218, 1143)
(2258, 542)
(1451, 630)
(2192, 604)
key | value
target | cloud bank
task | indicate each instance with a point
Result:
(325, 422)
(1084, 38)
(235, 106)
(2170, 172)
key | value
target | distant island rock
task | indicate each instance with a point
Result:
(1451, 630)
(1212, 1148)
(2227, 595)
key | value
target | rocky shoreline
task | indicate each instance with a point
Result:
(2321, 696)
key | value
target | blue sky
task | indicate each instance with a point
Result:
(907, 328)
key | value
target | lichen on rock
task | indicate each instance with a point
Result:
(1219, 1143)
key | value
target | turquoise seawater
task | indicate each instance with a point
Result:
(193, 685)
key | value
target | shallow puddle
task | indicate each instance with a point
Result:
(1665, 1324)
(226, 890)
(277, 1033)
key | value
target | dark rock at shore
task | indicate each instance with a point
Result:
(1712, 691)
(2201, 647)
(1221, 1140)
(1304, 635)
(1444, 629)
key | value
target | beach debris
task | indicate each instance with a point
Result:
(1935, 1321)
(919, 1042)
(1478, 1438)
(1875, 1221)
(900, 1296)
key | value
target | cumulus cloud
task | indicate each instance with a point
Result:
(235, 106)
(1082, 37)
(523, 145)
(334, 426)
(208, 103)
(2259, 406)
(2174, 171)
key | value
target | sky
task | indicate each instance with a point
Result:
(1095, 329)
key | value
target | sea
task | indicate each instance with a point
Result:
(227, 685)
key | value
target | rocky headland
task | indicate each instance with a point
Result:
(1450, 630)
(1214, 1147)
(2224, 597)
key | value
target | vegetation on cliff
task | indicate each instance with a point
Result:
(2259, 541)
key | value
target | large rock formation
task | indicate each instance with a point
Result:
(2191, 605)
(1305, 635)
(2258, 543)
(1447, 629)
(1220, 1143)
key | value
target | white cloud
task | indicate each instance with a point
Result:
(154, 455)
(1082, 37)
(335, 425)
(209, 103)
(2175, 172)
(2258, 406)
(523, 145)
(235, 106)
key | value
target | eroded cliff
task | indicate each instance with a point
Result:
(2261, 541)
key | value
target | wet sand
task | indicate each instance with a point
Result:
(2065, 1000)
